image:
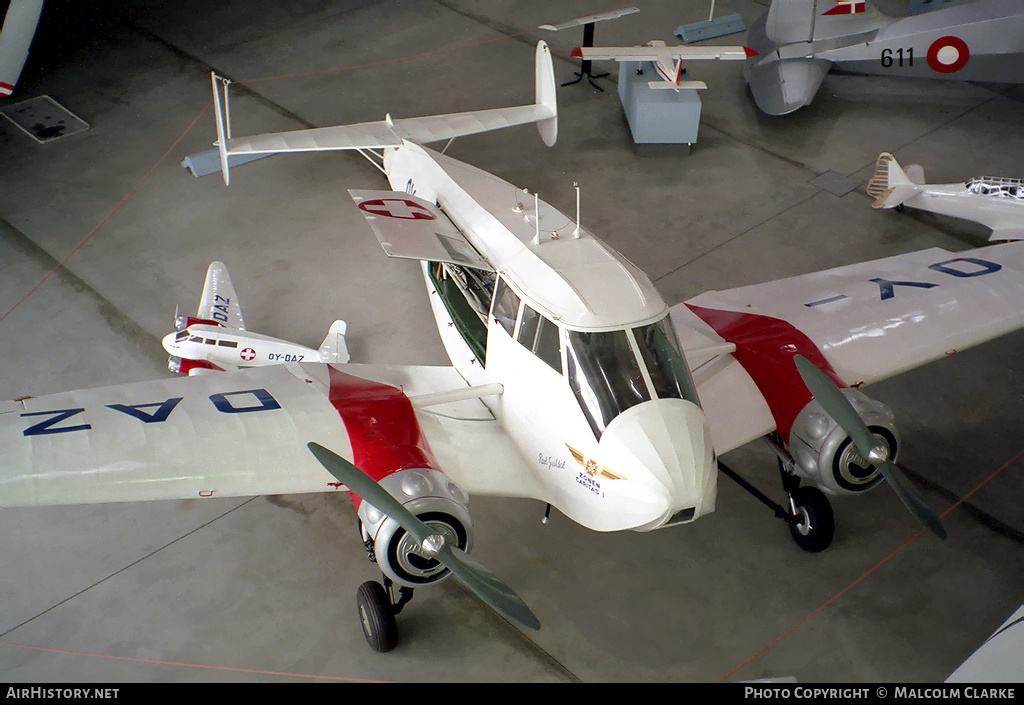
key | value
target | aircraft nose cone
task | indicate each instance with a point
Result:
(169, 345)
(664, 450)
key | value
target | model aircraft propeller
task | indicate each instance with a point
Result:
(481, 581)
(840, 409)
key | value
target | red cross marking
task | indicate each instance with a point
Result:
(397, 208)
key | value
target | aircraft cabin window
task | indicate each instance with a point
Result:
(228, 344)
(540, 336)
(181, 336)
(506, 306)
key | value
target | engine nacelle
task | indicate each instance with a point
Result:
(439, 503)
(823, 453)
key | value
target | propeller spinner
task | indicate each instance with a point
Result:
(839, 408)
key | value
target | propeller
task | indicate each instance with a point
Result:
(840, 409)
(481, 581)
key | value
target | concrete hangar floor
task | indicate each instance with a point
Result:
(263, 589)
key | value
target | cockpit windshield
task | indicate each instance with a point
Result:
(612, 371)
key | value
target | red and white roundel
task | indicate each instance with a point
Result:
(948, 54)
(397, 208)
(247, 354)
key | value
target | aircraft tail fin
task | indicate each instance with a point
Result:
(891, 185)
(790, 21)
(334, 347)
(219, 301)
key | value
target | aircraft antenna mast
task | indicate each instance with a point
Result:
(536, 215)
(576, 186)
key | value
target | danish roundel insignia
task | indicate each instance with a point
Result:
(948, 54)
(397, 208)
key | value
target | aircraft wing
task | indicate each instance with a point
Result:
(653, 53)
(868, 321)
(229, 434)
(590, 19)
(876, 319)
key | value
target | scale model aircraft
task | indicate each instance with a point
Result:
(799, 41)
(19, 28)
(994, 201)
(668, 61)
(572, 381)
(215, 340)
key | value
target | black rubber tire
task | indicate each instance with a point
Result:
(817, 526)
(377, 617)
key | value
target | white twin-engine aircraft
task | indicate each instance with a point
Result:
(215, 340)
(572, 382)
(994, 201)
(667, 61)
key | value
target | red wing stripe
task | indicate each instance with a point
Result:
(765, 347)
(385, 434)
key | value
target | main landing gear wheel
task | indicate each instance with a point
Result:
(815, 524)
(377, 616)
(809, 513)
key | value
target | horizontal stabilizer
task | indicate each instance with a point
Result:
(680, 86)
(653, 52)
(394, 132)
(334, 348)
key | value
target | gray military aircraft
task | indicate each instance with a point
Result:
(799, 41)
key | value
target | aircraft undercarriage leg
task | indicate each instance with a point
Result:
(809, 515)
(377, 611)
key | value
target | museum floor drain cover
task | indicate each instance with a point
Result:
(44, 119)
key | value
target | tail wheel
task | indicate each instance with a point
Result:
(815, 524)
(377, 616)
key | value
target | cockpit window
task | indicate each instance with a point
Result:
(669, 372)
(607, 370)
(180, 336)
(604, 375)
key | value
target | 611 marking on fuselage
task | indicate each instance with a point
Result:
(161, 410)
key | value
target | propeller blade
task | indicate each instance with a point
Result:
(905, 491)
(839, 408)
(487, 586)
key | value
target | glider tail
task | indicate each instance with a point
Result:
(334, 347)
(891, 185)
(545, 79)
